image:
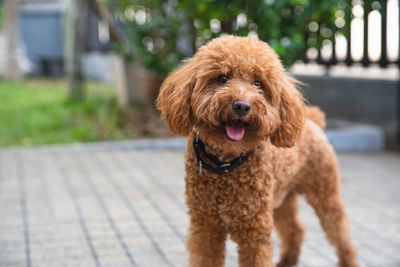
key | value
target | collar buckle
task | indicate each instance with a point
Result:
(200, 167)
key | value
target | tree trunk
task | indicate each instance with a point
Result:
(12, 70)
(104, 14)
(74, 43)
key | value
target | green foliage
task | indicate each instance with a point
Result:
(161, 33)
(1, 12)
(36, 112)
(152, 29)
(283, 24)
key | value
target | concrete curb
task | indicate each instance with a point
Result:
(173, 143)
(344, 138)
(357, 138)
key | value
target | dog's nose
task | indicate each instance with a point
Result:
(241, 107)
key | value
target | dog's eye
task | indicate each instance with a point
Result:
(258, 84)
(222, 79)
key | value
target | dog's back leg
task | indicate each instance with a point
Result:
(290, 230)
(323, 194)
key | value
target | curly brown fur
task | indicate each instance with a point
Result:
(290, 156)
(316, 115)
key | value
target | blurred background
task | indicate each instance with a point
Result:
(90, 70)
(87, 72)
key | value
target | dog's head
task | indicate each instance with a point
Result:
(235, 91)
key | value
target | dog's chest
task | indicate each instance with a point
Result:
(241, 195)
(237, 196)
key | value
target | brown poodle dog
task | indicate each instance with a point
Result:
(251, 152)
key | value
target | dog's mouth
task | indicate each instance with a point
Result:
(235, 130)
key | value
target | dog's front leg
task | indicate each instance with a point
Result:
(206, 242)
(255, 245)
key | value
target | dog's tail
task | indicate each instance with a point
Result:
(315, 114)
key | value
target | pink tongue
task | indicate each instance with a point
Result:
(235, 130)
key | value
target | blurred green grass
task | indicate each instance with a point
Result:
(37, 112)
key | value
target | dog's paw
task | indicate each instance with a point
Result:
(285, 263)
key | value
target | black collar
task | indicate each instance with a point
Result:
(222, 167)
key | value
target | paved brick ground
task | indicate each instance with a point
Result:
(113, 206)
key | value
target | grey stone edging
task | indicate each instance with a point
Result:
(357, 138)
(351, 138)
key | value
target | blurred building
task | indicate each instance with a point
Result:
(41, 46)
(41, 32)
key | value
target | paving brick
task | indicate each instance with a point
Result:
(116, 206)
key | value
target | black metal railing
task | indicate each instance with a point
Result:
(368, 7)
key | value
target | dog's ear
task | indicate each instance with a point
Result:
(292, 114)
(174, 99)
